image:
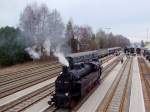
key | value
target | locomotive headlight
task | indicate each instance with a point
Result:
(66, 94)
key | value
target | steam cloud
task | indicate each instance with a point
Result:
(33, 54)
(47, 47)
(61, 57)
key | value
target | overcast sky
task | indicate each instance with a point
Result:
(130, 18)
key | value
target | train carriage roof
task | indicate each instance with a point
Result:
(73, 55)
(113, 48)
(83, 56)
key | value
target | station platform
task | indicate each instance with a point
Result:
(136, 98)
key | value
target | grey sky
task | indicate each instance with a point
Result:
(130, 18)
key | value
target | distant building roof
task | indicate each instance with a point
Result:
(147, 46)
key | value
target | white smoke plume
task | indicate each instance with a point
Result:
(33, 54)
(47, 47)
(61, 57)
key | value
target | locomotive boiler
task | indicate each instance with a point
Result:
(77, 80)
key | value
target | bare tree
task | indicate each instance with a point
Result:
(110, 40)
(70, 35)
(101, 39)
(41, 27)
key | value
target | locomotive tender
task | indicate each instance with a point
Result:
(78, 79)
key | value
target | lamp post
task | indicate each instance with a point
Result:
(107, 28)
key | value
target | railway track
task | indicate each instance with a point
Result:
(116, 98)
(27, 74)
(26, 68)
(18, 67)
(5, 74)
(5, 91)
(52, 108)
(145, 79)
(28, 100)
(109, 67)
(22, 67)
(107, 59)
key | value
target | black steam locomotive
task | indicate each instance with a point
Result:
(138, 51)
(146, 54)
(75, 81)
(129, 51)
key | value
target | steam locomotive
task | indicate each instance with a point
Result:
(138, 51)
(75, 81)
(133, 51)
(146, 54)
(129, 51)
(79, 78)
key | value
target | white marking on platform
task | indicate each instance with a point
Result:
(136, 98)
(24, 92)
